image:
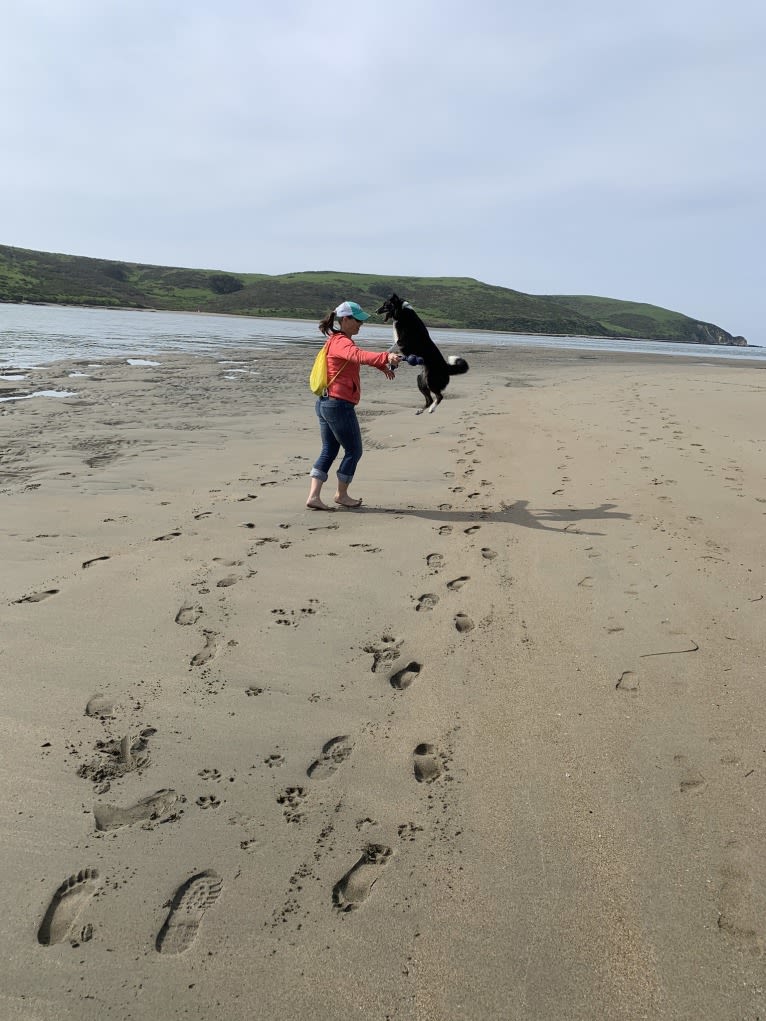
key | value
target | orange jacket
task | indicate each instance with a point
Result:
(340, 349)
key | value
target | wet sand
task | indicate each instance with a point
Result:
(490, 747)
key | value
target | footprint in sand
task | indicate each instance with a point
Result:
(426, 763)
(355, 887)
(471, 529)
(201, 515)
(627, 681)
(94, 560)
(212, 645)
(488, 554)
(366, 547)
(457, 583)
(435, 561)
(165, 538)
(110, 817)
(403, 678)
(741, 899)
(291, 800)
(208, 801)
(230, 579)
(426, 602)
(384, 652)
(67, 903)
(463, 623)
(117, 757)
(99, 705)
(188, 615)
(37, 597)
(690, 780)
(334, 752)
(408, 831)
(187, 910)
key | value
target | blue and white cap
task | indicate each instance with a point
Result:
(350, 308)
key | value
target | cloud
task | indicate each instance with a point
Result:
(549, 148)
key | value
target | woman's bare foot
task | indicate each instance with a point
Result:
(347, 501)
(317, 504)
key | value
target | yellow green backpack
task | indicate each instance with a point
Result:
(318, 381)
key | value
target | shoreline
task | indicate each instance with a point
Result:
(502, 358)
(456, 329)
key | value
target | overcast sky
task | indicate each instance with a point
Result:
(566, 147)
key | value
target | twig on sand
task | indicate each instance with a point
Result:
(671, 652)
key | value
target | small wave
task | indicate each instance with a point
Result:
(39, 393)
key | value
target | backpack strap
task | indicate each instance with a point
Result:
(343, 366)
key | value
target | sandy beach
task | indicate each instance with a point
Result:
(491, 747)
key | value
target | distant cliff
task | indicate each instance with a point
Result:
(447, 302)
(710, 334)
(636, 319)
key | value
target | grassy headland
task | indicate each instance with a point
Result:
(457, 302)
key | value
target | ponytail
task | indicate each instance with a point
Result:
(327, 324)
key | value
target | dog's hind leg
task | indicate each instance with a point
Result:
(423, 387)
(435, 403)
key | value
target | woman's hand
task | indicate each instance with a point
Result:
(393, 361)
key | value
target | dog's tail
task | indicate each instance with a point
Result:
(456, 366)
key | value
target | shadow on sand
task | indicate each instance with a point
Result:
(518, 514)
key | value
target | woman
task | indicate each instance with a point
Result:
(336, 409)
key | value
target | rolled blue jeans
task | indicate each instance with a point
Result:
(338, 427)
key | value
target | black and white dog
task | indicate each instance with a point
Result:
(413, 340)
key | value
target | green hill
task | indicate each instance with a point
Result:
(457, 302)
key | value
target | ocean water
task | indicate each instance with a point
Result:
(35, 335)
